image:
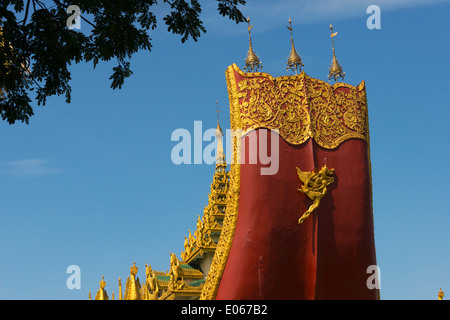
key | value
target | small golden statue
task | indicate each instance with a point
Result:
(314, 186)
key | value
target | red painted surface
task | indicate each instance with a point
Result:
(326, 257)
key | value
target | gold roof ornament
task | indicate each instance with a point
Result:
(133, 285)
(440, 294)
(120, 289)
(335, 71)
(252, 62)
(101, 293)
(294, 61)
(220, 157)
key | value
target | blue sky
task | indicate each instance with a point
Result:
(92, 183)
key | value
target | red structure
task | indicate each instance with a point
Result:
(264, 252)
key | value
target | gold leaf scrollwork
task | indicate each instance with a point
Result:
(301, 107)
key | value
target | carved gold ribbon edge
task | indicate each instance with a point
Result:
(220, 258)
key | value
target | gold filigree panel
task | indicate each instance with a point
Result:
(301, 107)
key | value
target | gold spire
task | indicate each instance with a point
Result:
(133, 285)
(440, 294)
(335, 70)
(220, 157)
(294, 60)
(101, 293)
(252, 62)
(120, 289)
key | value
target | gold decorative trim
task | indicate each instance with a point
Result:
(301, 107)
(229, 223)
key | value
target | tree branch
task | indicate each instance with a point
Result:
(26, 13)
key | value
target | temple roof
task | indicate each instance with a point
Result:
(186, 277)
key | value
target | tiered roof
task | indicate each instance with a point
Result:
(185, 278)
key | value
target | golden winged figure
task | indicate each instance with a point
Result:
(314, 186)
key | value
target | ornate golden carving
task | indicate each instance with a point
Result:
(314, 186)
(301, 107)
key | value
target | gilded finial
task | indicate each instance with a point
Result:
(252, 62)
(220, 157)
(134, 269)
(335, 71)
(294, 61)
(101, 293)
(103, 283)
(133, 285)
(217, 107)
(120, 289)
(440, 294)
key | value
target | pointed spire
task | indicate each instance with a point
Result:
(120, 289)
(294, 61)
(101, 293)
(252, 62)
(335, 71)
(220, 157)
(133, 285)
(440, 294)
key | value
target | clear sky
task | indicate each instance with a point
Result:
(92, 183)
